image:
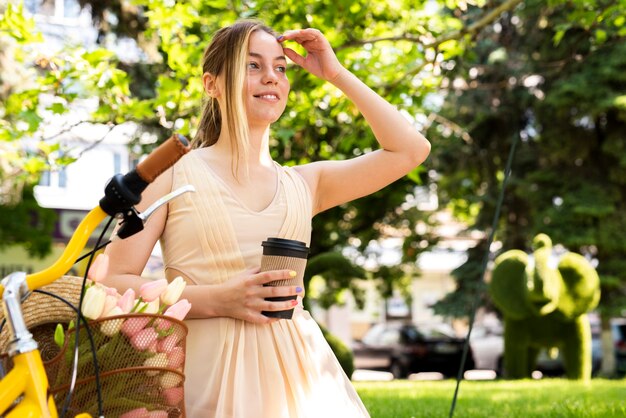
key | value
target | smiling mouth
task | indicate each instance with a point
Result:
(266, 96)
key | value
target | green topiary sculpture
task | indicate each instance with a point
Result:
(545, 306)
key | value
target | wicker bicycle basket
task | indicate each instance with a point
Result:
(140, 359)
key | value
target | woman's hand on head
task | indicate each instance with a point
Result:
(320, 59)
(243, 297)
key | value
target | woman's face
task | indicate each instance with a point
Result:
(267, 86)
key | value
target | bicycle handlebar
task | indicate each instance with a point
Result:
(124, 191)
(162, 158)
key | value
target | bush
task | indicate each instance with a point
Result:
(342, 352)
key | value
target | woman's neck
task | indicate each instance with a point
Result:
(258, 151)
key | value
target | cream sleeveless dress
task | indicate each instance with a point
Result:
(237, 369)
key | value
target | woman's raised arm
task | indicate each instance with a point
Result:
(402, 146)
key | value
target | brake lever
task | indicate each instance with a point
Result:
(134, 221)
(163, 200)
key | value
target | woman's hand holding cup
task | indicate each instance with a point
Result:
(244, 296)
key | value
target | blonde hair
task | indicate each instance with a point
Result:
(227, 56)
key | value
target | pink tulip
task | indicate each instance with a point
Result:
(133, 326)
(178, 310)
(176, 358)
(168, 343)
(112, 292)
(144, 338)
(162, 324)
(150, 291)
(173, 396)
(136, 413)
(158, 414)
(99, 268)
(127, 301)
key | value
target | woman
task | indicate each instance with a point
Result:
(239, 362)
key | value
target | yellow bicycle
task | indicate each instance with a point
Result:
(24, 389)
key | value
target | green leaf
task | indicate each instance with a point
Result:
(35, 165)
(620, 101)
(32, 118)
(97, 56)
(59, 335)
(17, 26)
(497, 56)
(414, 175)
(558, 36)
(57, 108)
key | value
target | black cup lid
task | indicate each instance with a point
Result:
(286, 247)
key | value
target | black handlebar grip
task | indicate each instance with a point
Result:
(124, 191)
(163, 157)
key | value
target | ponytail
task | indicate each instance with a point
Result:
(210, 125)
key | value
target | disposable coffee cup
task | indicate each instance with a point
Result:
(284, 254)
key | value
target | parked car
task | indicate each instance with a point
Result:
(488, 348)
(618, 331)
(403, 348)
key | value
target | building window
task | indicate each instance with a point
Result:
(53, 8)
(42, 7)
(71, 8)
(45, 179)
(117, 163)
(63, 178)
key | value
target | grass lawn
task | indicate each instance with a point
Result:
(546, 398)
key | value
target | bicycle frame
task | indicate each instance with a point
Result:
(27, 379)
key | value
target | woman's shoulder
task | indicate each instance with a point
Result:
(304, 172)
(187, 165)
(297, 178)
(290, 170)
(192, 154)
(191, 158)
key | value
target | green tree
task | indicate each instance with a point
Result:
(552, 76)
(23, 225)
(22, 221)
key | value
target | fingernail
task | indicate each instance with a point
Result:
(294, 302)
(298, 289)
(293, 273)
(280, 38)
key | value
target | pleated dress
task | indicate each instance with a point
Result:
(234, 368)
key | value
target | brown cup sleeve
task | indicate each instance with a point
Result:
(278, 262)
